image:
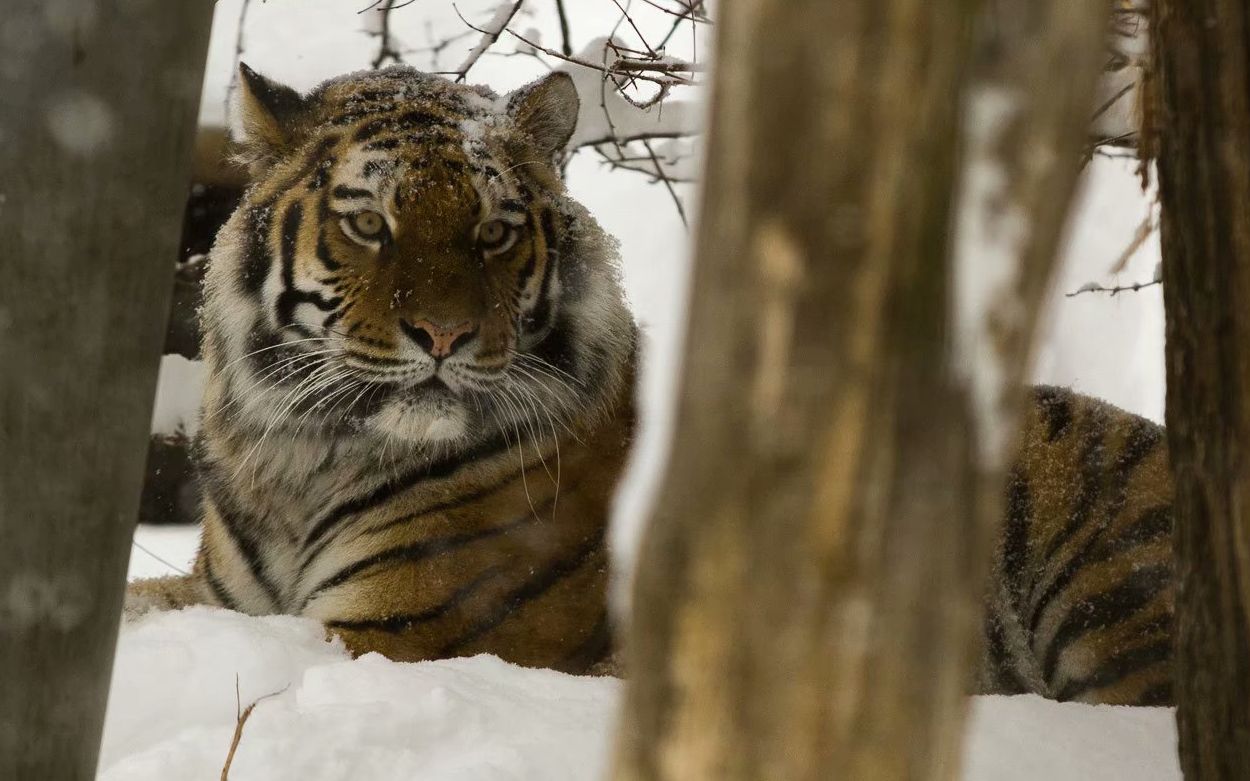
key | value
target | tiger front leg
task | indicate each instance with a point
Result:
(172, 592)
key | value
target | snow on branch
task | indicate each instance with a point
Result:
(1094, 287)
(490, 34)
(656, 68)
(651, 135)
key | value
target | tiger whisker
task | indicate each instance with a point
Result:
(305, 389)
(275, 347)
(535, 441)
(313, 358)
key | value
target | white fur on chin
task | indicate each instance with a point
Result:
(423, 421)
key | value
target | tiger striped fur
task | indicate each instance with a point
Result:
(420, 375)
(1082, 597)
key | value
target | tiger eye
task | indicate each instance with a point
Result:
(368, 224)
(493, 233)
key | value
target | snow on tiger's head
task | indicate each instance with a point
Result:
(408, 264)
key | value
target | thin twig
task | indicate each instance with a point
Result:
(489, 37)
(385, 50)
(693, 8)
(682, 16)
(177, 569)
(659, 172)
(625, 14)
(660, 66)
(376, 3)
(437, 46)
(240, 718)
(1094, 288)
(646, 136)
(640, 164)
(565, 36)
(1142, 233)
(671, 81)
(1113, 100)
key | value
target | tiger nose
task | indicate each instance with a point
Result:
(439, 340)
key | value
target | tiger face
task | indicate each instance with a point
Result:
(406, 262)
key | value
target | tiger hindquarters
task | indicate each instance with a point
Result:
(1082, 592)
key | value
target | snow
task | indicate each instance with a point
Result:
(1106, 346)
(491, 32)
(172, 714)
(172, 709)
(1027, 738)
(178, 389)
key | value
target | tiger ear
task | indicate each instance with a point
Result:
(546, 110)
(270, 117)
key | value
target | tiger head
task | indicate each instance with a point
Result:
(406, 264)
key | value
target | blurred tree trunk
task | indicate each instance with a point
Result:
(1202, 89)
(809, 591)
(98, 102)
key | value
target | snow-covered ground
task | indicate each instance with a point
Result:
(172, 715)
(172, 710)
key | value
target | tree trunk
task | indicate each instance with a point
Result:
(1202, 88)
(809, 590)
(97, 108)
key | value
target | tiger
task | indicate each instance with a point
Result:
(1082, 597)
(420, 398)
(420, 371)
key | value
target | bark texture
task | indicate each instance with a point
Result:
(1202, 117)
(97, 108)
(809, 591)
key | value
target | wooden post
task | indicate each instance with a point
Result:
(1202, 91)
(98, 102)
(809, 591)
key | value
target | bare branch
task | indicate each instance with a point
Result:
(695, 12)
(625, 15)
(437, 46)
(1126, 89)
(490, 34)
(618, 138)
(1147, 227)
(609, 70)
(685, 15)
(1091, 287)
(668, 184)
(386, 47)
(241, 719)
(660, 66)
(565, 37)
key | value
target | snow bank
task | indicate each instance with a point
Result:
(1027, 738)
(172, 716)
(172, 710)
